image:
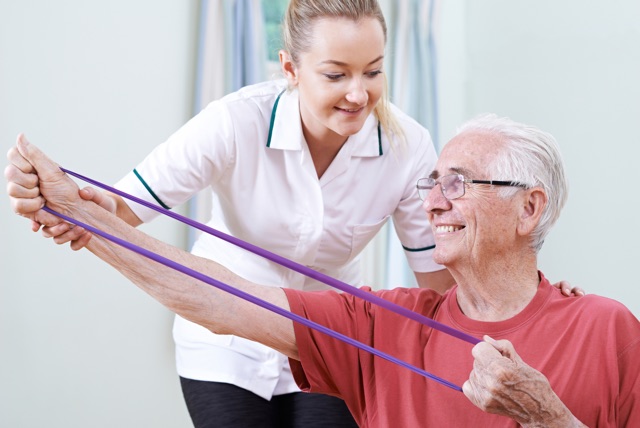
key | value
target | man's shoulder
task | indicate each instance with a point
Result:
(595, 313)
(592, 303)
(423, 300)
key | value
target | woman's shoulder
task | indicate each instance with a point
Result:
(405, 120)
(265, 91)
(414, 132)
(248, 104)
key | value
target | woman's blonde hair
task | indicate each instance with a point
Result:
(297, 34)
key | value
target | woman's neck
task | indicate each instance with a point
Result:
(324, 150)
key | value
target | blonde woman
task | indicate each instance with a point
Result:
(309, 167)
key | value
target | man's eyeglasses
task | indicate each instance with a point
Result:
(452, 185)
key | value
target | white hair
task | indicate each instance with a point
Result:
(529, 156)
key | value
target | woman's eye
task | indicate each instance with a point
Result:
(333, 76)
(374, 73)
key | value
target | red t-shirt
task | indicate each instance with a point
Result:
(588, 347)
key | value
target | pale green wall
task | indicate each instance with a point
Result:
(96, 85)
(571, 68)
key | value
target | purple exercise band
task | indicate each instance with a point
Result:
(335, 283)
(250, 298)
(326, 279)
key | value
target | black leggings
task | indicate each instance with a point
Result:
(214, 404)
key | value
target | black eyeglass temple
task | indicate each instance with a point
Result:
(498, 183)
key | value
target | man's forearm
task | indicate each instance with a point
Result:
(33, 179)
(192, 299)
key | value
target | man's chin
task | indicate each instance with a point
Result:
(439, 260)
(441, 257)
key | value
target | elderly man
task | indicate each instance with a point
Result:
(496, 191)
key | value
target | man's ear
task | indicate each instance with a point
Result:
(533, 205)
(288, 68)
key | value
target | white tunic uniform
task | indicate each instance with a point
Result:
(249, 149)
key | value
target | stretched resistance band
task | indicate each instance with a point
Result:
(326, 279)
(282, 261)
(255, 300)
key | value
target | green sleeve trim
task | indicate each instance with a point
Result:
(151, 192)
(415, 250)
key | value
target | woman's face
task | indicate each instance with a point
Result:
(340, 78)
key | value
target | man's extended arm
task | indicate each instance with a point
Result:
(34, 179)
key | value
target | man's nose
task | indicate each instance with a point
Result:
(435, 200)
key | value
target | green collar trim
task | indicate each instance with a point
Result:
(273, 117)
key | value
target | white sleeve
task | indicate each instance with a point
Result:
(409, 219)
(191, 159)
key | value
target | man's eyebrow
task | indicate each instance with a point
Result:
(462, 171)
(454, 170)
